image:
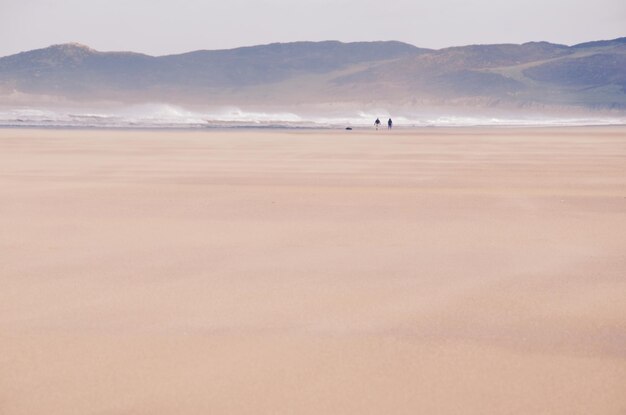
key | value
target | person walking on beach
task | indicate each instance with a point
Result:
(389, 124)
(376, 123)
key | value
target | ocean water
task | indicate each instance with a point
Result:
(168, 116)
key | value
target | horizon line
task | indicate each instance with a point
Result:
(85, 46)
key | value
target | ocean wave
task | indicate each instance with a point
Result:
(167, 116)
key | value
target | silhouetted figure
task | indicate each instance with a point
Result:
(389, 124)
(376, 123)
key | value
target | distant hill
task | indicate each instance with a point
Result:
(588, 75)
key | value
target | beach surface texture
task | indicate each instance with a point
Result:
(426, 271)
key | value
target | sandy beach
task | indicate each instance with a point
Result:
(427, 271)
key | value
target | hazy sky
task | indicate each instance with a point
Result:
(160, 27)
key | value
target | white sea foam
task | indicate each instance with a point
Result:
(168, 116)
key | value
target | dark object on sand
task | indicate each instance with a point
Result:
(349, 128)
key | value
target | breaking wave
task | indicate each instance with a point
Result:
(167, 116)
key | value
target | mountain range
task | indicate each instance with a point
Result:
(531, 75)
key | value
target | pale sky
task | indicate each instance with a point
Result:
(159, 27)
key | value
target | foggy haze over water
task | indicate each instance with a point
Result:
(168, 116)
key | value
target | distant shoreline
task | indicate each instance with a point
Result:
(355, 129)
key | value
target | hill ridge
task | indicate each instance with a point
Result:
(588, 75)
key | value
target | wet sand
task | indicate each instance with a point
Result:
(433, 271)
